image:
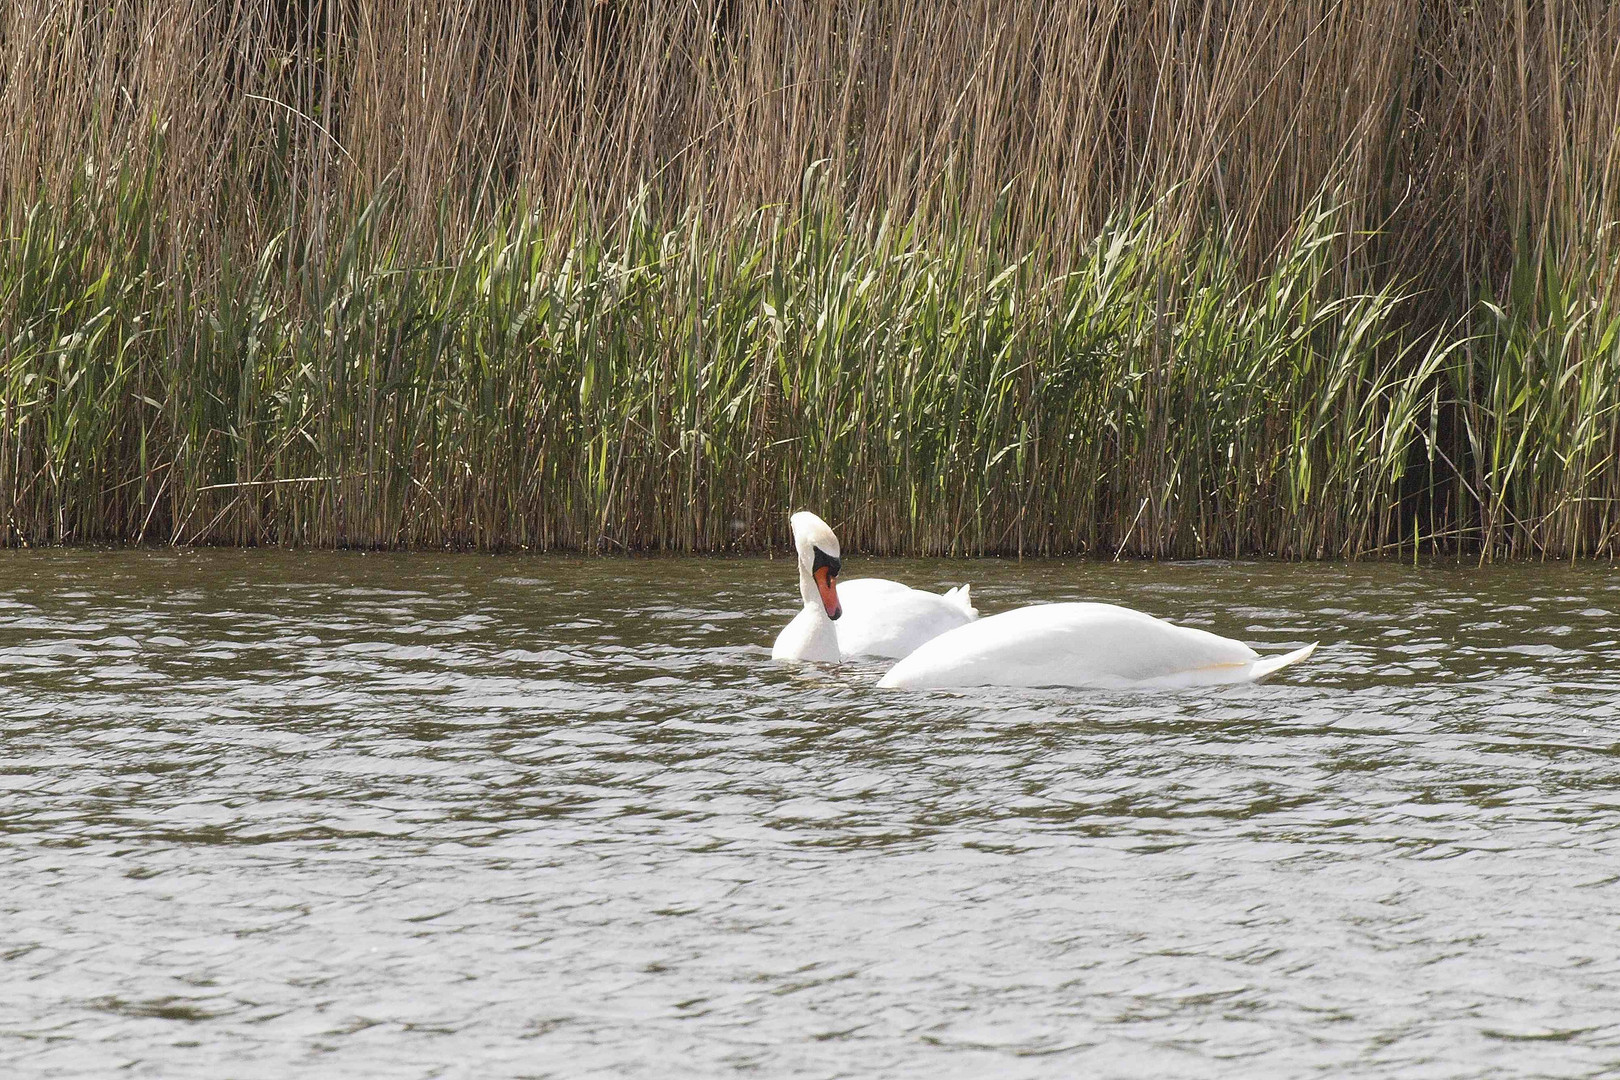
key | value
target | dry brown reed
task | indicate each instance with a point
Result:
(249, 152)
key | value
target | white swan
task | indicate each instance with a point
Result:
(1082, 645)
(874, 616)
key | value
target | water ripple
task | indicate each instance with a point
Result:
(275, 814)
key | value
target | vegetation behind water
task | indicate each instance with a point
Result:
(1313, 279)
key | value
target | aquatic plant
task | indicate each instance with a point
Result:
(1305, 279)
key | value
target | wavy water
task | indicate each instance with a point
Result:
(271, 814)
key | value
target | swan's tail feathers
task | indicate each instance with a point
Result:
(1270, 665)
(960, 597)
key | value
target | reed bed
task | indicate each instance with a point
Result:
(1114, 276)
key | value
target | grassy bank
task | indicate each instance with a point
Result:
(1305, 279)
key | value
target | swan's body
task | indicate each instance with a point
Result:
(873, 616)
(886, 618)
(1081, 645)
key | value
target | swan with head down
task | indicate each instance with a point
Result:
(1093, 645)
(864, 617)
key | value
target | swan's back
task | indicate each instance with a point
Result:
(1072, 645)
(885, 618)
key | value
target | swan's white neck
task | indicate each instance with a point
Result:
(811, 635)
(807, 584)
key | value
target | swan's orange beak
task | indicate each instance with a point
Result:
(829, 591)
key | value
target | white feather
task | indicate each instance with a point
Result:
(1081, 645)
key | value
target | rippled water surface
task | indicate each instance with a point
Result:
(283, 814)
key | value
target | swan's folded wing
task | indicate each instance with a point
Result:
(886, 618)
(961, 596)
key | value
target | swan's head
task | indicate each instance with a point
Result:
(819, 561)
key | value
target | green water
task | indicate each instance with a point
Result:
(267, 814)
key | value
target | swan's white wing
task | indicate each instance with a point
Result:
(1071, 645)
(962, 595)
(871, 587)
(886, 618)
